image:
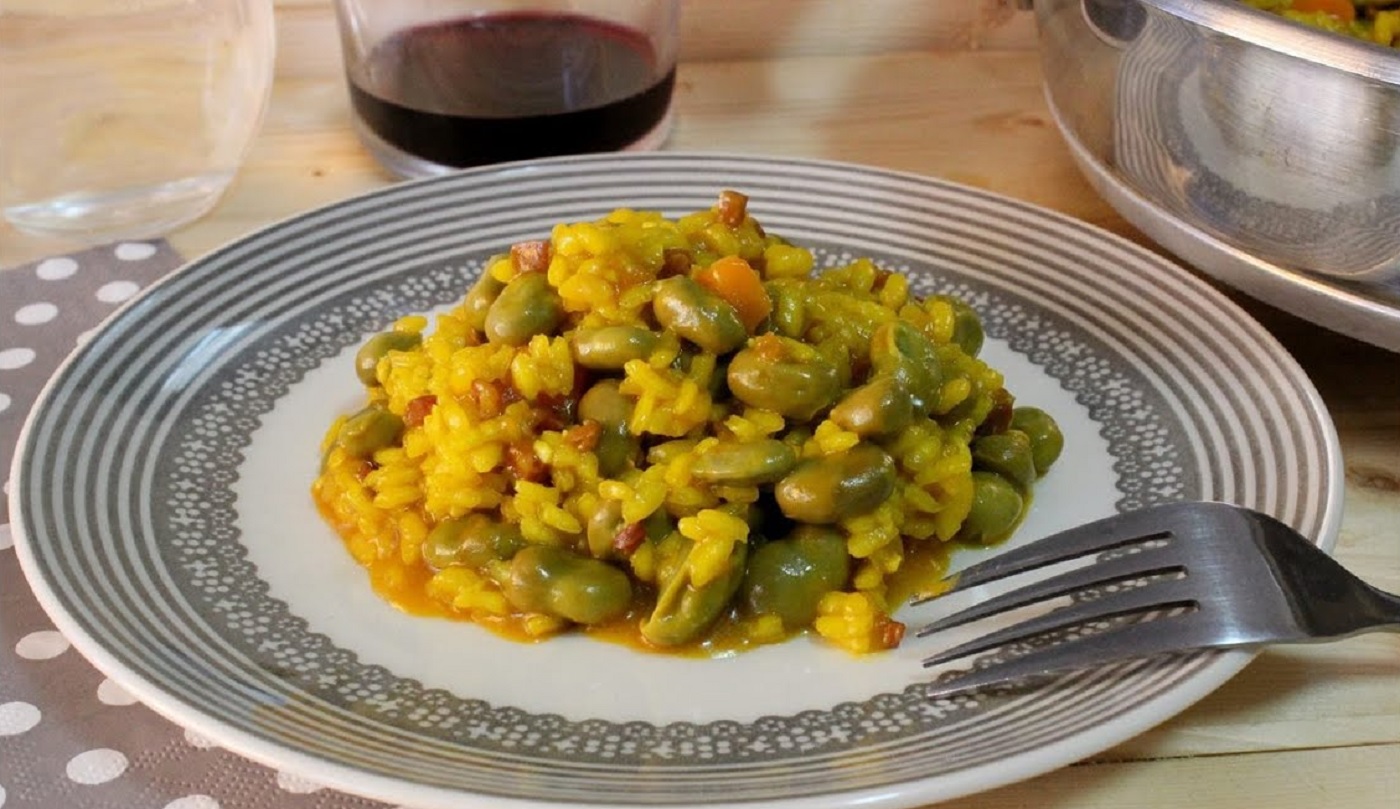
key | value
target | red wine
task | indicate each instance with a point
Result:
(481, 90)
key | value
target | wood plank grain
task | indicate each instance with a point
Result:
(1354, 777)
(737, 30)
(872, 110)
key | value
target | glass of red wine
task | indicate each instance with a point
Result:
(438, 85)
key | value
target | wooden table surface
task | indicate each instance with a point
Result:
(952, 90)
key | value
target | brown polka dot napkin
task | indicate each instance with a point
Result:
(69, 737)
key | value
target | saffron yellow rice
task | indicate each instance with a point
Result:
(559, 453)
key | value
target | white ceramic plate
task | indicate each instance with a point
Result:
(160, 494)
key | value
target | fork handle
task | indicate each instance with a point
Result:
(1382, 611)
(1327, 598)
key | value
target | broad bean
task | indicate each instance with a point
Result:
(784, 375)
(1046, 439)
(789, 316)
(1008, 454)
(376, 348)
(996, 509)
(834, 487)
(879, 407)
(567, 585)
(606, 404)
(787, 577)
(527, 306)
(480, 297)
(900, 350)
(746, 464)
(472, 541)
(967, 327)
(608, 348)
(684, 611)
(698, 315)
(368, 431)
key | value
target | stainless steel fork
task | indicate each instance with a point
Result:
(1191, 575)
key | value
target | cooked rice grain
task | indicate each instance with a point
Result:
(498, 436)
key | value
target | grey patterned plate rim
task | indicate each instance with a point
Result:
(161, 513)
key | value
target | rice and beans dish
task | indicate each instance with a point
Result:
(674, 434)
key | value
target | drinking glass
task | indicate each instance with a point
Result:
(437, 85)
(126, 118)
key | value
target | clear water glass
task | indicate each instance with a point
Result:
(127, 118)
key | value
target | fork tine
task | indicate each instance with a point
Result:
(1171, 633)
(1095, 537)
(1134, 565)
(1155, 595)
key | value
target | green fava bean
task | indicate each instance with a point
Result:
(845, 484)
(608, 348)
(747, 464)
(369, 431)
(698, 315)
(788, 577)
(479, 299)
(472, 541)
(719, 379)
(526, 307)
(967, 327)
(789, 317)
(606, 404)
(683, 611)
(996, 509)
(879, 407)
(901, 351)
(1008, 454)
(1046, 439)
(567, 585)
(616, 449)
(376, 348)
(784, 375)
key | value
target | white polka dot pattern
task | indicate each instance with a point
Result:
(56, 269)
(17, 717)
(109, 693)
(96, 766)
(117, 291)
(34, 314)
(41, 645)
(193, 802)
(134, 251)
(295, 784)
(12, 358)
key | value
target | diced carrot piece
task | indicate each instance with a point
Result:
(1341, 9)
(733, 279)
